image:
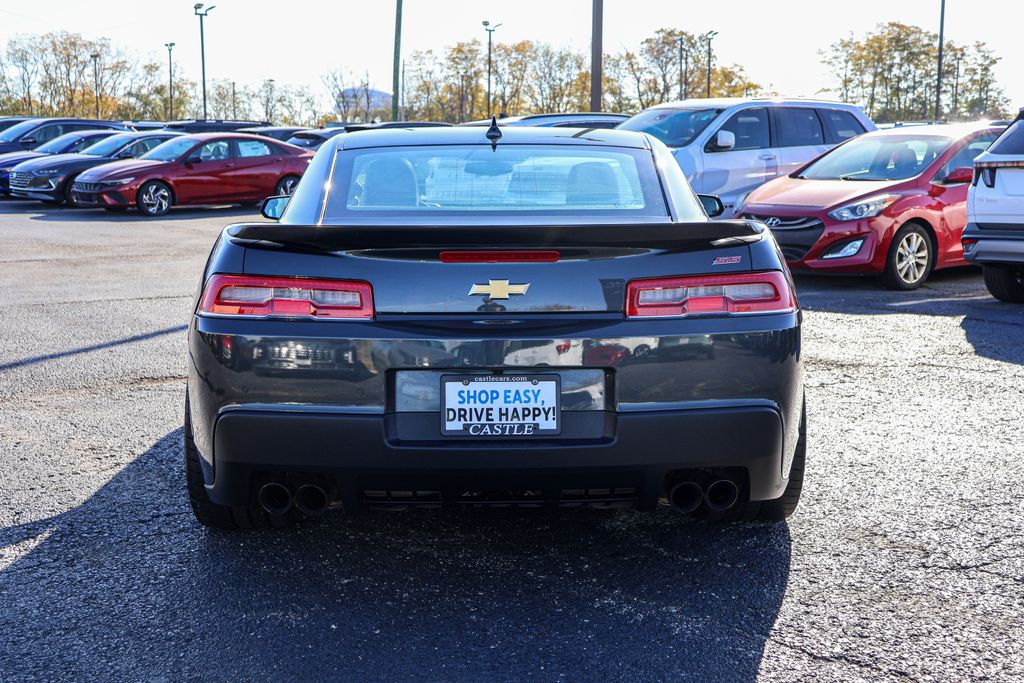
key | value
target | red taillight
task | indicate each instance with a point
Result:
(703, 294)
(499, 256)
(291, 297)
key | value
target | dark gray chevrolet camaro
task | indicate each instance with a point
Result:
(470, 316)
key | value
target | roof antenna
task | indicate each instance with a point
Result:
(493, 134)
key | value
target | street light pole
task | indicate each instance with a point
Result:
(596, 54)
(201, 13)
(234, 111)
(683, 79)
(395, 74)
(96, 79)
(170, 82)
(938, 76)
(709, 36)
(490, 36)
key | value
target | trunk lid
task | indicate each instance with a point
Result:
(404, 263)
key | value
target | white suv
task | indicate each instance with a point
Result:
(994, 236)
(729, 146)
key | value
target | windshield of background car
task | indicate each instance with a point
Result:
(674, 127)
(17, 130)
(108, 146)
(1011, 141)
(60, 143)
(882, 157)
(169, 151)
(467, 180)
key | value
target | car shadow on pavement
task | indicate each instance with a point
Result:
(73, 215)
(128, 586)
(33, 360)
(957, 292)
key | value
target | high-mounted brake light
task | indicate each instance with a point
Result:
(288, 297)
(737, 293)
(533, 256)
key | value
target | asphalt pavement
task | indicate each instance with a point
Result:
(904, 562)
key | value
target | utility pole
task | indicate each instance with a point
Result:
(170, 82)
(201, 13)
(684, 71)
(709, 36)
(490, 36)
(395, 83)
(956, 81)
(596, 54)
(234, 110)
(96, 79)
(938, 76)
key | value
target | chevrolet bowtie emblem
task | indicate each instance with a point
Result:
(498, 289)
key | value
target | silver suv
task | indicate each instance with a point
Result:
(730, 146)
(994, 236)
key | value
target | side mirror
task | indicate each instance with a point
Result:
(712, 205)
(959, 175)
(28, 142)
(125, 154)
(193, 159)
(724, 141)
(273, 207)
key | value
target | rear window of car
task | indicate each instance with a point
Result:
(1011, 141)
(844, 124)
(467, 180)
(799, 127)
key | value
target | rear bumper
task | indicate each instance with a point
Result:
(321, 398)
(357, 454)
(1002, 243)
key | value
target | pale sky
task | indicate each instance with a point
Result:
(296, 41)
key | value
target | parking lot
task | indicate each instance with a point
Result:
(904, 561)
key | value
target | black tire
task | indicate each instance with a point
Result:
(1005, 283)
(154, 198)
(66, 192)
(902, 274)
(211, 514)
(286, 185)
(782, 507)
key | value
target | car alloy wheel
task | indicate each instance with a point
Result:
(287, 186)
(912, 258)
(156, 199)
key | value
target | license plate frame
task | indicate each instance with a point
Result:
(549, 384)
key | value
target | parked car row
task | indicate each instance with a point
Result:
(842, 196)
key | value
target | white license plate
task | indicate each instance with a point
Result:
(500, 406)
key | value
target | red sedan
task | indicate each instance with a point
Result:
(890, 202)
(208, 168)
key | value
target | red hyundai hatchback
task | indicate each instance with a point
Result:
(207, 168)
(891, 202)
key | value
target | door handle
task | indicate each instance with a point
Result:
(768, 156)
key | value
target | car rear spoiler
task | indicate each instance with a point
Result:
(649, 235)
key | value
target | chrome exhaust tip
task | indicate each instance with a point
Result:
(275, 498)
(720, 495)
(685, 497)
(311, 500)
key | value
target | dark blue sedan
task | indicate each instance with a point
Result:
(511, 317)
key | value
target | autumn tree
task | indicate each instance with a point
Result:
(891, 73)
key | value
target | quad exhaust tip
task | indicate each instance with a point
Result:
(721, 495)
(275, 498)
(685, 497)
(311, 500)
